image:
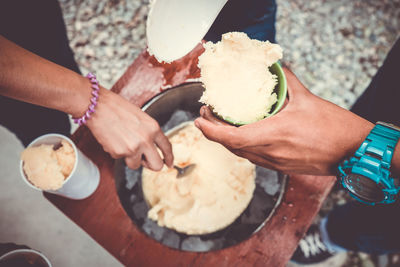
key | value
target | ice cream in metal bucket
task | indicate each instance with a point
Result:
(171, 108)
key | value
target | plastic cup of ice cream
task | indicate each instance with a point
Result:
(84, 177)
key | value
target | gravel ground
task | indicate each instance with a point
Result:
(334, 46)
(106, 36)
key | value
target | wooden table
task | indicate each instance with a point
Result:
(103, 217)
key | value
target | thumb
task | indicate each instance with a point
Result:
(207, 114)
(218, 133)
(295, 88)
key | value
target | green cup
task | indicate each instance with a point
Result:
(280, 88)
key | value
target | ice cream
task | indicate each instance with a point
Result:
(46, 167)
(238, 84)
(210, 197)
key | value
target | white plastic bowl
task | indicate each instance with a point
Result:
(175, 27)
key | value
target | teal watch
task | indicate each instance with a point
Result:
(366, 175)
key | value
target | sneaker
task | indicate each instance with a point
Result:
(311, 249)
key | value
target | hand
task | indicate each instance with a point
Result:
(309, 136)
(124, 130)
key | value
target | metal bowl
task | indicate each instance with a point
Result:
(171, 108)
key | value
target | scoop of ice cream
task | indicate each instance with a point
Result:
(238, 84)
(65, 158)
(47, 168)
(207, 199)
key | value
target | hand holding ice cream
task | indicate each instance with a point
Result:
(302, 138)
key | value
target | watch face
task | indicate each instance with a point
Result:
(364, 188)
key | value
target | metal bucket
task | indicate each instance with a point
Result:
(270, 185)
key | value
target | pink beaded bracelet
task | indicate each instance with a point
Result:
(93, 101)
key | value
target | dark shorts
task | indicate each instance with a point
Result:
(37, 26)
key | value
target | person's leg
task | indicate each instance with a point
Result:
(370, 229)
(380, 101)
(254, 17)
(352, 227)
(37, 26)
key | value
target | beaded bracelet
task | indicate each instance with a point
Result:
(93, 101)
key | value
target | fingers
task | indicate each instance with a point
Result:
(229, 136)
(147, 154)
(152, 158)
(144, 164)
(264, 152)
(254, 158)
(134, 161)
(218, 133)
(206, 113)
(145, 151)
(166, 148)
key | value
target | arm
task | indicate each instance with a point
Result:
(309, 136)
(30, 78)
(120, 127)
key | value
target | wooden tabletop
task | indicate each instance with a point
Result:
(103, 217)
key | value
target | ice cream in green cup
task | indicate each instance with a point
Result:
(243, 79)
(280, 90)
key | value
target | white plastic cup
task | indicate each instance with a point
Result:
(84, 177)
(28, 254)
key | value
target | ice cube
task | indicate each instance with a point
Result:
(196, 244)
(140, 210)
(218, 243)
(152, 229)
(171, 239)
(257, 210)
(132, 198)
(132, 177)
(177, 118)
(268, 180)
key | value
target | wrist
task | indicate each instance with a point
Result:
(360, 130)
(93, 100)
(104, 104)
(82, 98)
(78, 102)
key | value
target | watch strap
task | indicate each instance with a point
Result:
(376, 151)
